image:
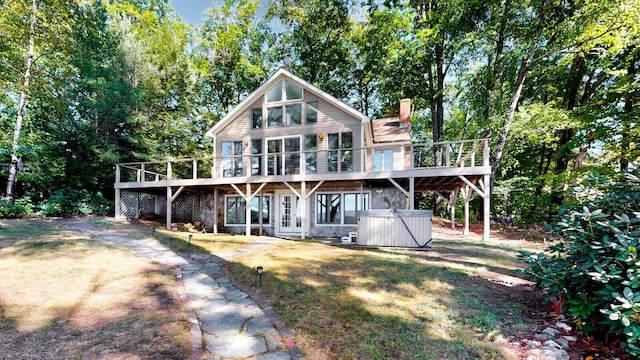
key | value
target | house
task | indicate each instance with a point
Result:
(292, 160)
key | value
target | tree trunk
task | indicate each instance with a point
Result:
(628, 108)
(13, 167)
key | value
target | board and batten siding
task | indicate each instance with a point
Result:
(331, 119)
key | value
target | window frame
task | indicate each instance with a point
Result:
(383, 164)
(342, 194)
(241, 203)
(233, 158)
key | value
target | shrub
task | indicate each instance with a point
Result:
(71, 202)
(9, 210)
(595, 270)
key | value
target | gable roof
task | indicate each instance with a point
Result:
(279, 75)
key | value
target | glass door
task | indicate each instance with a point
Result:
(290, 214)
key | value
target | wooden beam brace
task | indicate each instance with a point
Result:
(471, 185)
(235, 187)
(314, 189)
(257, 191)
(175, 196)
(293, 190)
(444, 198)
(405, 192)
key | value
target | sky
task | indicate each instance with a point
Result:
(193, 10)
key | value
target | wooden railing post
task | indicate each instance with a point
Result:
(485, 153)
(195, 169)
(169, 171)
(143, 172)
(117, 174)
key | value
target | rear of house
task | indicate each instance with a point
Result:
(305, 163)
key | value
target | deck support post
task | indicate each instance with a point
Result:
(466, 194)
(452, 206)
(303, 209)
(486, 207)
(169, 203)
(117, 213)
(215, 210)
(412, 193)
(247, 210)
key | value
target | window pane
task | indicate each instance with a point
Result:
(274, 160)
(350, 207)
(227, 148)
(377, 160)
(292, 156)
(346, 158)
(292, 91)
(256, 115)
(235, 213)
(310, 144)
(293, 114)
(388, 160)
(265, 210)
(237, 147)
(256, 161)
(275, 94)
(274, 116)
(328, 209)
(312, 112)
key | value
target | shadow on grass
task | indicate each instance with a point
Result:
(375, 305)
(154, 327)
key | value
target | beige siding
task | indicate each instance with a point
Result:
(331, 119)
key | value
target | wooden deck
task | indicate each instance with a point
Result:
(460, 167)
(458, 159)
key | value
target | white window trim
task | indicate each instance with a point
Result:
(226, 199)
(342, 193)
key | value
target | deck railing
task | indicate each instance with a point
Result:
(463, 153)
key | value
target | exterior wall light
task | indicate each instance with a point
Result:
(190, 237)
(321, 137)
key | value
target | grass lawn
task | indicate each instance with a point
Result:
(64, 296)
(460, 300)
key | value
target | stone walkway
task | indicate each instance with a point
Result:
(227, 323)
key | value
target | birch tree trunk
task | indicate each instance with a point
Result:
(22, 105)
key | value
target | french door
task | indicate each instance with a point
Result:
(289, 214)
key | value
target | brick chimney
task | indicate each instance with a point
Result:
(405, 113)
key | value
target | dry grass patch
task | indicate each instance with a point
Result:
(176, 240)
(460, 300)
(65, 296)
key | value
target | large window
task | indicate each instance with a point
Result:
(383, 160)
(340, 208)
(284, 91)
(287, 115)
(283, 156)
(235, 210)
(340, 154)
(232, 158)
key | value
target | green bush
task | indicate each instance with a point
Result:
(71, 202)
(595, 270)
(9, 210)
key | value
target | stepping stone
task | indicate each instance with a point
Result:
(225, 320)
(237, 346)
